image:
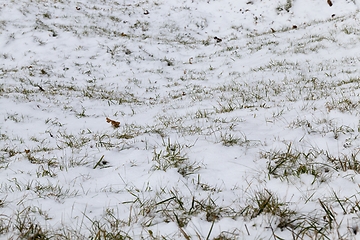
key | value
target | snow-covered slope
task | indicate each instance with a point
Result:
(238, 119)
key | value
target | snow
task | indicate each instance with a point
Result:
(282, 80)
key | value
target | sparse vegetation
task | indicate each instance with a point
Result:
(167, 120)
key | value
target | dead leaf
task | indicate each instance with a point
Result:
(190, 60)
(115, 124)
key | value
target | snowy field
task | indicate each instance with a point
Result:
(179, 119)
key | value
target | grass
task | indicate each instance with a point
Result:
(293, 163)
(266, 202)
(228, 139)
(173, 156)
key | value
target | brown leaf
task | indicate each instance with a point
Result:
(115, 124)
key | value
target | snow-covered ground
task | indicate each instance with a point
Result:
(238, 119)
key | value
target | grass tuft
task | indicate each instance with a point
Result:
(173, 156)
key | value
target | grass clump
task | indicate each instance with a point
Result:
(228, 139)
(291, 162)
(345, 162)
(173, 156)
(266, 202)
(109, 227)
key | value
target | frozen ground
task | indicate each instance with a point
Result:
(238, 119)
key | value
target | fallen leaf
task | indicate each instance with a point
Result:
(113, 123)
(190, 60)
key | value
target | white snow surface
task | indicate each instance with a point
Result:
(280, 78)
